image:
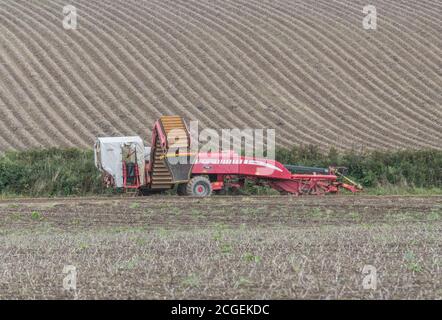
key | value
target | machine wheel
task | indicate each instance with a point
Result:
(199, 186)
(181, 189)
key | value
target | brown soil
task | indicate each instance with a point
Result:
(306, 68)
(222, 247)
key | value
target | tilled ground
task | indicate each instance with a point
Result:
(301, 67)
(222, 247)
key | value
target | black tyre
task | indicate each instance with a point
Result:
(199, 186)
(181, 189)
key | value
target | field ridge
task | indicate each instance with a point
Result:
(307, 69)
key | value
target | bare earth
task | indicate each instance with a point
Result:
(222, 247)
(305, 68)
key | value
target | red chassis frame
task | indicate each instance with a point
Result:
(228, 165)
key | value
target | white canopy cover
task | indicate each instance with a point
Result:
(108, 156)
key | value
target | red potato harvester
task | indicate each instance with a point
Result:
(125, 163)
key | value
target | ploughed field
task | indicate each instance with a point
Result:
(306, 68)
(222, 247)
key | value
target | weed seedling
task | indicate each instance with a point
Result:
(36, 215)
(249, 257)
(226, 248)
(191, 281)
(411, 262)
(134, 205)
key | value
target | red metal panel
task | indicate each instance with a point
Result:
(217, 185)
(228, 163)
(216, 163)
(161, 134)
(285, 185)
